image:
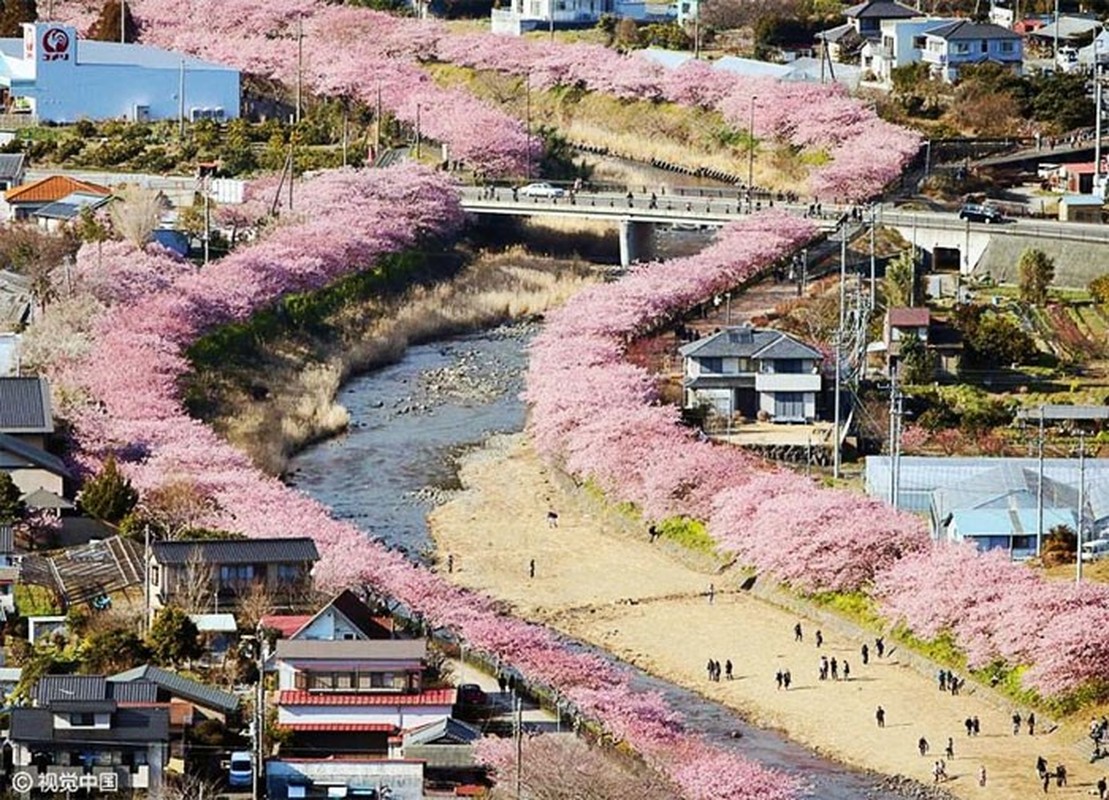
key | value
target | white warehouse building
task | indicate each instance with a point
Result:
(55, 77)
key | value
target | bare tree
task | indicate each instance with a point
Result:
(178, 507)
(186, 787)
(561, 767)
(136, 214)
(195, 589)
(255, 603)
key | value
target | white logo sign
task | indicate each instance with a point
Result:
(23, 782)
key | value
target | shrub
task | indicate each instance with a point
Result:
(108, 496)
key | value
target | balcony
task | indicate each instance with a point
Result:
(787, 382)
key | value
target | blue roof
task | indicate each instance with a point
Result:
(90, 51)
(1011, 522)
(667, 58)
(173, 240)
(69, 207)
(1081, 200)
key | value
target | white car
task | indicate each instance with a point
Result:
(542, 190)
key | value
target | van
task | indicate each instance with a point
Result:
(1095, 550)
(240, 771)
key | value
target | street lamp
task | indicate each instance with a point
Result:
(751, 153)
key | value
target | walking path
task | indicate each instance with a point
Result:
(601, 581)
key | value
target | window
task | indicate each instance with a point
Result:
(1006, 46)
(962, 48)
(231, 574)
(713, 365)
(918, 42)
(83, 720)
(789, 405)
(289, 573)
(365, 680)
(344, 680)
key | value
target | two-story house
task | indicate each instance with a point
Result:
(745, 371)
(863, 25)
(950, 46)
(9, 571)
(83, 732)
(901, 42)
(220, 571)
(939, 338)
(519, 16)
(26, 419)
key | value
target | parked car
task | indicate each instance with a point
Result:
(240, 771)
(542, 190)
(1095, 550)
(976, 212)
(470, 694)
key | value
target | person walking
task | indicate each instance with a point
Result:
(949, 751)
(879, 646)
(728, 669)
(880, 717)
(780, 678)
(798, 636)
(982, 775)
(922, 746)
(1041, 766)
(708, 668)
(819, 639)
(969, 725)
(531, 568)
(977, 725)
(1102, 788)
(712, 593)
(835, 669)
(865, 652)
(1031, 723)
(552, 519)
(942, 678)
(1060, 776)
(787, 679)
(1016, 723)
(846, 670)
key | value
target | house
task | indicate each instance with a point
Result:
(1078, 178)
(901, 42)
(225, 569)
(13, 169)
(52, 216)
(344, 618)
(952, 45)
(521, 16)
(83, 731)
(9, 571)
(26, 418)
(864, 23)
(15, 314)
(338, 776)
(354, 693)
(446, 747)
(23, 201)
(752, 371)
(1012, 530)
(1073, 31)
(939, 338)
(1081, 208)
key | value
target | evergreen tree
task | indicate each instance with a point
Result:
(174, 637)
(109, 496)
(106, 27)
(14, 14)
(1036, 271)
(12, 507)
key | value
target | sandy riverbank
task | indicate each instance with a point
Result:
(593, 564)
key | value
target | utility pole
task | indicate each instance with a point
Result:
(1040, 488)
(1097, 127)
(527, 116)
(1055, 51)
(300, 63)
(417, 131)
(146, 578)
(873, 263)
(259, 717)
(804, 269)
(1081, 503)
(518, 735)
(751, 156)
(836, 457)
(893, 436)
(122, 21)
(205, 185)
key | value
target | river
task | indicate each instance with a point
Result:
(409, 421)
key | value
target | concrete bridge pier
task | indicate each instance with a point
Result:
(637, 241)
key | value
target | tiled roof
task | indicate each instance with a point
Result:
(432, 697)
(352, 649)
(128, 725)
(51, 189)
(237, 551)
(356, 612)
(69, 687)
(70, 206)
(179, 686)
(880, 9)
(966, 29)
(909, 317)
(36, 455)
(25, 406)
(11, 164)
(743, 341)
(285, 624)
(339, 727)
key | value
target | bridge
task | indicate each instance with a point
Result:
(1080, 250)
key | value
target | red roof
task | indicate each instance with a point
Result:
(285, 624)
(1080, 169)
(52, 188)
(909, 317)
(432, 697)
(339, 727)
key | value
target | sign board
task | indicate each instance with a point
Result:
(227, 190)
(24, 781)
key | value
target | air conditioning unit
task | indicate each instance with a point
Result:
(140, 114)
(218, 114)
(197, 114)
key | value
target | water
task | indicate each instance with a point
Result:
(409, 422)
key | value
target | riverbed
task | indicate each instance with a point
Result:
(411, 421)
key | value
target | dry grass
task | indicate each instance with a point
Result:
(300, 377)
